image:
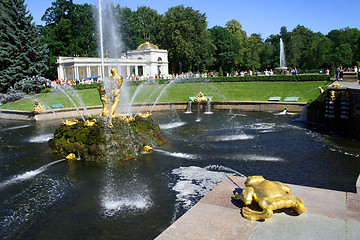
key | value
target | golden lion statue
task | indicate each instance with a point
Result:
(269, 195)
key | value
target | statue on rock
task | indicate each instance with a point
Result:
(113, 96)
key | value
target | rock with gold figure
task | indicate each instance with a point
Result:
(95, 141)
(269, 196)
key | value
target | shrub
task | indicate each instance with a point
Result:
(31, 85)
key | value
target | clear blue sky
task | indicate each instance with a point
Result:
(256, 16)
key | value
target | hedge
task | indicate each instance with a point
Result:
(274, 78)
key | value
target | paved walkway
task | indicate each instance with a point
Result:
(329, 215)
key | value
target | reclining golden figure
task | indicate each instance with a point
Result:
(269, 195)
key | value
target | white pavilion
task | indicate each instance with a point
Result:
(147, 60)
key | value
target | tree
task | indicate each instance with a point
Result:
(21, 53)
(255, 48)
(227, 48)
(138, 26)
(235, 29)
(184, 33)
(69, 31)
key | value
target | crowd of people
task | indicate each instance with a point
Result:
(293, 71)
(340, 71)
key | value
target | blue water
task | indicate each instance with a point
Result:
(139, 198)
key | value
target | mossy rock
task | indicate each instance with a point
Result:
(99, 142)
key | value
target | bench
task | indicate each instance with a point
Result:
(291, 99)
(274, 99)
(57, 106)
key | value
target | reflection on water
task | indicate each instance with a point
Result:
(47, 198)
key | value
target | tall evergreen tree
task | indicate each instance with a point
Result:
(21, 53)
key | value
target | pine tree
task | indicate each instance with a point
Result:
(21, 53)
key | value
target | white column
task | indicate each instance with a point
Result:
(76, 72)
(60, 71)
(99, 71)
(88, 71)
(128, 71)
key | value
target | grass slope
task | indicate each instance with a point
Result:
(225, 91)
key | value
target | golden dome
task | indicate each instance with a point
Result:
(147, 45)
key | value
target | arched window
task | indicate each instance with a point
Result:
(159, 59)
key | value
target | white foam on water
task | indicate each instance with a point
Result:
(208, 113)
(112, 204)
(198, 120)
(254, 157)
(233, 137)
(27, 175)
(266, 131)
(25, 208)
(281, 113)
(195, 182)
(177, 154)
(171, 125)
(41, 138)
(262, 126)
(237, 114)
(18, 127)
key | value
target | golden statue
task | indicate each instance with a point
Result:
(71, 157)
(269, 195)
(200, 98)
(90, 123)
(337, 85)
(114, 96)
(38, 107)
(128, 118)
(145, 115)
(69, 123)
(332, 95)
(148, 149)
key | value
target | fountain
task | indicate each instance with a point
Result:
(282, 66)
(109, 134)
(138, 199)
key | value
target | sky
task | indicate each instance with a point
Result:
(263, 17)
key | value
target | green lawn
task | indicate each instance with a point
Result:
(228, 91)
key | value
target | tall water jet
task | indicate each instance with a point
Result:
(111, 47)
(77, 109)
(282, 54)
(282, 62)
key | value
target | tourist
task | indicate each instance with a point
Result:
(337, 74)
(341, 74)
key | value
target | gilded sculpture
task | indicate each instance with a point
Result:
(70, 123)
(200, 98)
(145, 115)
(269, 195)
(38, 107)
(112, 97)
(148, 149)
